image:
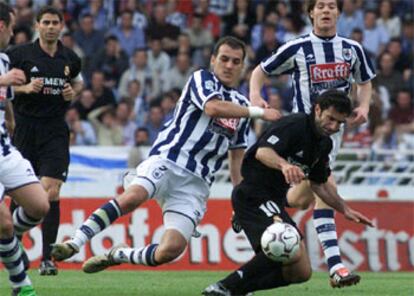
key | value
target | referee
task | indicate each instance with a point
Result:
(41, 134)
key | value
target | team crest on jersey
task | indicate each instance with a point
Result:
(225, 126)
(66, 70)
(347, 54)
(209, 85)
(159, 172)
(329, 72)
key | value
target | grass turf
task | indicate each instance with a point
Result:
(160, 283)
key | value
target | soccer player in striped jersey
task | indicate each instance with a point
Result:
(210, 120)
(17, 177)
(320, 61)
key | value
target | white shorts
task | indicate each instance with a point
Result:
(175, 189)
(15, 171)
(336, 144)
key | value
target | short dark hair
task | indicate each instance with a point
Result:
(5, 11)
(312, 3)
(335, 98)
(50, 10)
(231, 41)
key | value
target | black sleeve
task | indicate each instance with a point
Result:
(15, 55)
(282, 138)
(321, 171)
(75, 63)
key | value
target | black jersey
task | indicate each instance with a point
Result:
(295, 139)
(54, 71)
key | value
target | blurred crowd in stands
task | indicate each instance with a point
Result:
(137, 55)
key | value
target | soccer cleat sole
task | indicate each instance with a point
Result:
(63, 251)
(97, 264)
(102, 262)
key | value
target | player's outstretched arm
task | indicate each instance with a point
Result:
(223, 109)
(330, 196)
(13, 77)
(364, 94)
(33, 86)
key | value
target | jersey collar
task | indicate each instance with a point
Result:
(42, 52)
(315, 37)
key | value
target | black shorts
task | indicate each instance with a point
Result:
(45, 143)
(255, 212)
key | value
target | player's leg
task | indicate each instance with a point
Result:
(300, 196)
(50, 224)
(173, 243)
(100, 219)
(11, 255)
(33, 206)
(182, 197)
(324, 222)
(52, 162)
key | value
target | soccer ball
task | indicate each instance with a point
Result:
(280, 242)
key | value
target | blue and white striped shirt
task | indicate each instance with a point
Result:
(6, 93)
(317, 64)
(195, 141)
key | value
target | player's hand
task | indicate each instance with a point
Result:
(271, 114)
(360, 116)
(68, 92)
(293, 174)
(258, 101)
(357, 217)
(35, 86)
(13, 77)
(77, 127)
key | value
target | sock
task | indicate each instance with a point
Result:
(98, 221)
(23, 222)
(50, 227)
(247, 277)
(324, 222)
(11, 256)
(144, 256)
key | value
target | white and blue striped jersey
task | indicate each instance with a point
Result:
(318, 64)
(6, 93)
(195, 141)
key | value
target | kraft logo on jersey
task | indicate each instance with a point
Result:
(225, 126)
(329, 72)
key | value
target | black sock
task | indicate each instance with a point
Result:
(50, 228)
(273, 279)
(258, 274)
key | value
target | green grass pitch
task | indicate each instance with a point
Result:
(183, 283)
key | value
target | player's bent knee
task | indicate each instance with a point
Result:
(132, 198)
(41, 209)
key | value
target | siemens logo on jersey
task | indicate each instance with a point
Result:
(51, 85)
(51, 81)
(329, 72)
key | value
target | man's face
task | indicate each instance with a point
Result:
(228, 65)
(328, 121)
(324, 15)
(6, 31)
(49, 27)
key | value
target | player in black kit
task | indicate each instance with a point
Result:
(41, 134)
(292, 149)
